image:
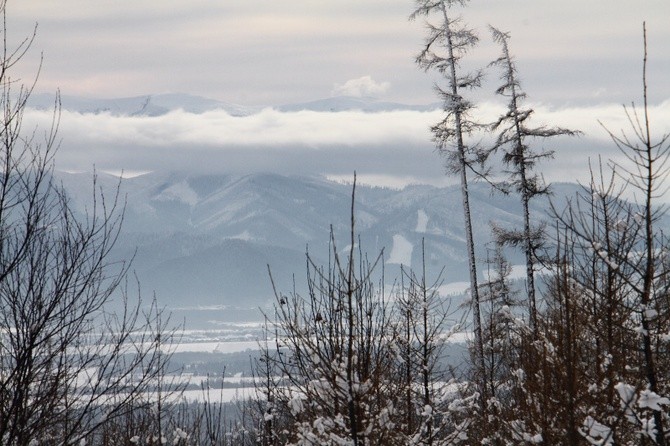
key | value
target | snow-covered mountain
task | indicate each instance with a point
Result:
(148, 105)
(160, 104)
(345, 103)
(206, 240)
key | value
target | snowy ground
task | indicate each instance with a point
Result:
(217, 347)
(249, 346)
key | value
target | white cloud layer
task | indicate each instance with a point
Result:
(384, 145)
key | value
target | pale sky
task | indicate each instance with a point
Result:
(578, 60)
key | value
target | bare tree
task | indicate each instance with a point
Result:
(619, 269)
(335, 350)
(66, 363)
(421, 333)
(643, 267)
(272, 420)
(649, 159)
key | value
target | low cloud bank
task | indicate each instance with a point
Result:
(393, 144)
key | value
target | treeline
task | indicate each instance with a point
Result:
(577, 356)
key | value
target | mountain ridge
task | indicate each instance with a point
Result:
(209, 239)
(152, 105)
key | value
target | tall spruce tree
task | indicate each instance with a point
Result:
(514, 137)
(446, 44)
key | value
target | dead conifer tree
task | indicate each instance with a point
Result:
(513, 139)
(445, 46)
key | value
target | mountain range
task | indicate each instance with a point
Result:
(160, 104)
(207, 241)
(206, 244)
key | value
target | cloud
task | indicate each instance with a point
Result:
(305, 142)
(387, 147)
(361, 87)
(259, 131)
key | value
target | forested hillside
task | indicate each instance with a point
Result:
(208, 239)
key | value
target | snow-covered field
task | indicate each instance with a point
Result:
(225, 347)
(219, 395)
(401, 252)
(216, 347)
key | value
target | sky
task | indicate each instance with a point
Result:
(578, 61)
